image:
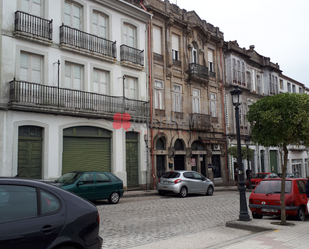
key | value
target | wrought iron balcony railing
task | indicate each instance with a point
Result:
(33, 25)
(86, 41)
(197, 71)
(133, 55)
(62, 100)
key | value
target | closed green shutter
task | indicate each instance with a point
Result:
(273, 161)
(86, 154)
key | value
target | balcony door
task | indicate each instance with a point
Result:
(33, 7)
(132, 158)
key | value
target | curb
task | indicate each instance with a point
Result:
(248, 227)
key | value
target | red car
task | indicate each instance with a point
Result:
(265, 199)
(256, 178)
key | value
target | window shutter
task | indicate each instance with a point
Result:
(36, 69)
(157, 40)
(95, 83)
(25, 5)
(130, 36)
(36, 8)
(95, 24)
(102, 22)
(156, 99)
(77, 77)
(103, 80)
(132, 89)
(68, 76)
(76, 17)
(24, 67)
(124, 28)
(175, 42)
(67, 14)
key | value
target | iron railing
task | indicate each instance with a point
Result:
(196, 70)
(133, 55)
(41, 95)
(79, 39)
(33, 25)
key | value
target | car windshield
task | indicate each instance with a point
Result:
(170, 175)
(69, 178)
(272, 187)
(260, 176)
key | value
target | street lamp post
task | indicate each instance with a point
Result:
(247, 142)
(243, 214)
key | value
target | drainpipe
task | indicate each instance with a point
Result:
(223, 111)
(150, 100)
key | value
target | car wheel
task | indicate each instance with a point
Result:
(66, 247)
(161, 192)
(183, 192)
(210, 191)
(257, 216)
(114, 198)
(301, 214)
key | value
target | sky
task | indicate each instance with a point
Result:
(278, 29)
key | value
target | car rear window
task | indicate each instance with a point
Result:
(273, 187)
(259, 176)
(171, 174)
(114, 177)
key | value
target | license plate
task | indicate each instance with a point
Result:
(269, 210)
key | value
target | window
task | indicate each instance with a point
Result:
(157, 40)
(177, 98)
(289, 87)
(73, 76)
(258, 84)
(281, 84)
(129, 35)
(249, 81)
(101, 177)
(196, 104)
(244, 113)
(31, 68)
(130, 88)
(33, 7)
(243, 72)
(159, 93)
(276, 85)
(234, 71)
(99, 24)
(87, 178)
(294, 88)
(72, 15)
(238, 72)
(175, 47)
(17, 203)
(240, 115)
(100, 82)
(188, 175)
(49, 203)
(300, 90)
(210, 60)
(301, 187)
(194, 56)
(213, 105)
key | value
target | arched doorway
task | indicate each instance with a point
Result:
(30, 152)
(86, 148)
(161, 168)
(179, 160)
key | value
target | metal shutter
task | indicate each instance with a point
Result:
(86, 154)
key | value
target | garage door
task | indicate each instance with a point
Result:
(86, 153)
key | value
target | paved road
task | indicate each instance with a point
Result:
(141, 220)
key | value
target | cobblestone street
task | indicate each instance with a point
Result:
(142, 220)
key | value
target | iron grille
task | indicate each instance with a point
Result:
(133, 55)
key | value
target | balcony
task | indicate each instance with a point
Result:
(33, 27)
(199, 122)
(198, 73)
(85, 43)
(27, 96)
(131, 55)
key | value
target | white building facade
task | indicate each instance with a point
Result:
(74, 93)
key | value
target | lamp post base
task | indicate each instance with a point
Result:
(244, 217)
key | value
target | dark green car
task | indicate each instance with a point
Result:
(93, 185)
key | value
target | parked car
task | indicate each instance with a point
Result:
(37, 215)
(288, 175)
(93, 185)
(183, 182)
(258, 177)
(265, 199)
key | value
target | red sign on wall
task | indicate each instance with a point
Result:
(193, 162)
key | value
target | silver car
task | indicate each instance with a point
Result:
(183, 182)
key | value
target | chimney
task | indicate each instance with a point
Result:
(252, 47)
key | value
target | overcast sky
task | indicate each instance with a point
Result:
(279, 29)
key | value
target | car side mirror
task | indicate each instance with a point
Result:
(80, 183)
(203, 179)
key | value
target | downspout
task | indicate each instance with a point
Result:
(150, 100)
(223, 111)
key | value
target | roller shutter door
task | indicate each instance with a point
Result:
(86, 154)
